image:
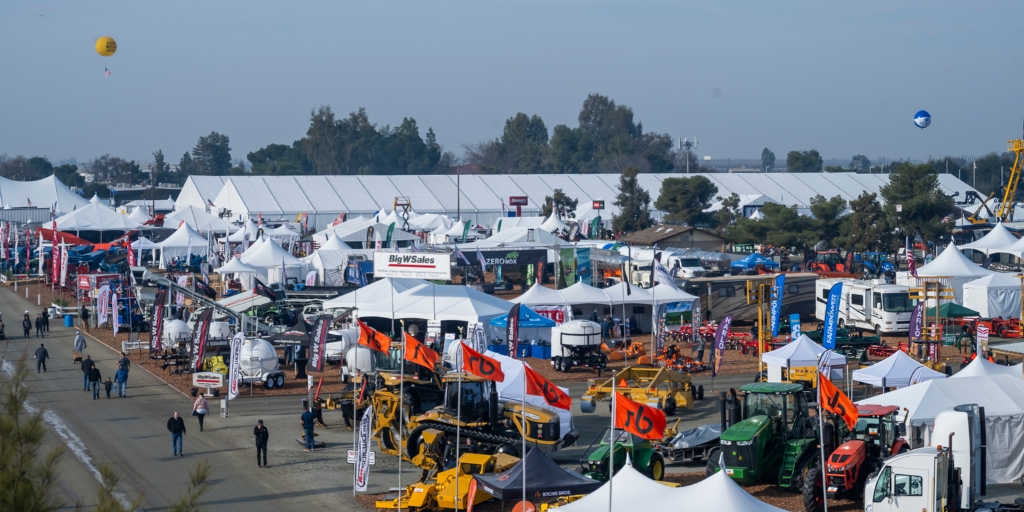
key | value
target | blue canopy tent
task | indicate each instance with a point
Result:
(528, 319)
(752, 261)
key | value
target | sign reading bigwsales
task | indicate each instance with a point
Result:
(412, 264)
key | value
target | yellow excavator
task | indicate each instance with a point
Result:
(1005, 211)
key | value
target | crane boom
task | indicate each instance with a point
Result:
(1006, 208)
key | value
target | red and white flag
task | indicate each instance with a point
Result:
(911, 264)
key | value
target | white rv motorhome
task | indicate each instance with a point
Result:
(884, 308)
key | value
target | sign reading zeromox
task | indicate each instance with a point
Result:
(417, 265)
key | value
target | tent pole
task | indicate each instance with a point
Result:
(611, 453)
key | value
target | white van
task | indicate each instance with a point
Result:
(884, 308)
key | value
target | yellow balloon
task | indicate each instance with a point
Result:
(106, 46)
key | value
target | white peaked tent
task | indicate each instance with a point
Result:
(553, 223)
(981, 367)
(895, 371)
(757, 215)
(801, 352)
(282, 233)
(331, 260)
(996, 240)
(244, 272)
(95, 217)
(177, 245)
(539, 295)
(382, 289)
(583, 293)
(139, 215)
(200, 220)
(631, 490)
(144, 243)
(1016, 249)
(512, 389)
(334, 243)
(426, 302)
(95, 199)
(665, 293)
(950, 264)
(271, 256)
(636, 294)
(248, 228)
(995, 295)
(427, 222)
(350, 225)
(1002, 396)
(254, 244)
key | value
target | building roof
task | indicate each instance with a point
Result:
(655, 234)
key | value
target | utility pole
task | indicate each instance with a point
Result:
(689, 146)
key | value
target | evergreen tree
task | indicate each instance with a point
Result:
(925, 205)
(633, 202)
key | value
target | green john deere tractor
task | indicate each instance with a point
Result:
(641, 452)
(777, 438)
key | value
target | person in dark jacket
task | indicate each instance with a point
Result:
(39, 325)
(87, 365)
(176, 426)
(26, 325)
(307, 420)
(46, 321)
(94, 381)
(262, 435)
(85, 317)
(121, 376)
(109, 384)
(41, 356)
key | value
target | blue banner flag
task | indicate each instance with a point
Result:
(832, 317)
(777, 291)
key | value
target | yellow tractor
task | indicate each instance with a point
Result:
(448, 489)
(656, 387)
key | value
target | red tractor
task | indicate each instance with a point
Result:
(877, 436)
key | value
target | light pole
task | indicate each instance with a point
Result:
(689, 146)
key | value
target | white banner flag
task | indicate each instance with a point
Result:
(235, 372)
(104, 302)
(113, 307)
(63, 265)
(188, 251)
(179, 299)
(311, 278)
(363, 450)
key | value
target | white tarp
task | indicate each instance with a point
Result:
(512, 389)
(995, 295)
(895, 371)
(631, 490)
(1002, 396)
(997, 240)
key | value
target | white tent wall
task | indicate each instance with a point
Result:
(997, 295)
(198, 189)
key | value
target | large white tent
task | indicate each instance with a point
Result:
(981, 367)
(896, 371)
(199, 220)
(995, 295)
(951, 267)
(179, 243)
(1002, 396)
(382, 289)
(95, 217)
(631, 490)
(996, 240)
(800, 352)
(40, 193)
(425, 301)
(1016, 249)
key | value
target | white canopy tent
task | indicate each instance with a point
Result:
(382, 289)
(553, 223)
(344, 228)
(583, 293)
(200, 220)
(896, 371)
(952, 266)
(270, 256)
(428, 222)
(995, 295)
(981, 367)
(248, 228)
(177, 245)
(331, 260)
(801, 352)
(426, 301)
(1016, 249)
(95, 217)
(139, 215)
(636, 295)
(243, 272)
(1002, 396)
(282, 233)
(996, 240)
(144, 243)
(512, 389)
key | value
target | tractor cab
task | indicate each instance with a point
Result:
(474, 397)
(828, 261)
(787, 411)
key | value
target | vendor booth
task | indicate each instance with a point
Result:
(801, 355)
(994, 296)
(896, 371)
(951, 268)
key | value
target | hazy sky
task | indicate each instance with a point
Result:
(841, 78)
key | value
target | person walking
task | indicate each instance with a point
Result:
(109, 384)
(307, 420)
(26, 325)
(87, 365)
(41, 356)
(176, 426)
(94, 381)
(199, 409)
(700, 347)
(121, 377)
(84, 313)
(46, 320)
(262, 435)
(125, 362)
(79, 342)
(39, 325)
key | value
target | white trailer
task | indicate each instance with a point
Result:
(876, 305)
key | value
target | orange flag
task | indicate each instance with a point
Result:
(836, 402)
(419, 353)
(481, 365)
(638, 419)
(370, 337)
(537, 385)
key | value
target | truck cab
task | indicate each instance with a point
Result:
(915, 480)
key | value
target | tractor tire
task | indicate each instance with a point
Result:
(1001, 331)
(802, 469)
(670, 407)
(745, 349)
(699, 395)
(507, 449)
(813, 493)
(656, 468)
(761, 377)
(587, 406)
(712, 465)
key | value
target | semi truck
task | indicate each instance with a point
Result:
(875, 305)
